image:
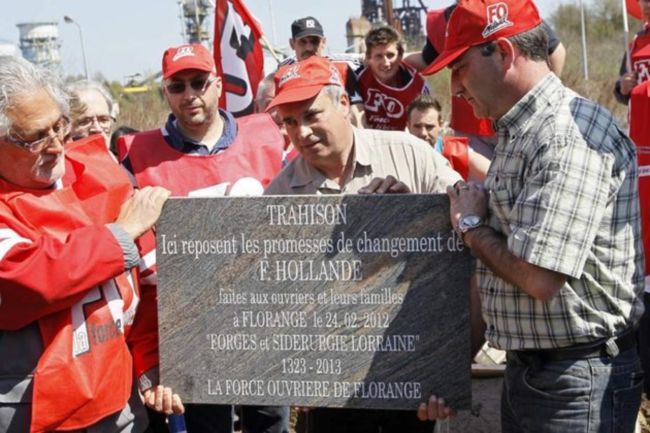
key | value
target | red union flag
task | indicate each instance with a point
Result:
(633, 8)
(238, 55)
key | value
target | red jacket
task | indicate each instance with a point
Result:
(62, 268)
(244, 168)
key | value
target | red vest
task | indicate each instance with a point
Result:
(80, 378)
(640, 55)
(456, 150)
(244, 168)
(385, 106)
(639, 116)
(463, 119)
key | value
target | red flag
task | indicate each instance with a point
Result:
(238, 55)
(634, 9)
(640, 134)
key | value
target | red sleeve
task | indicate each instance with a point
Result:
(143, 337)
(41, 276)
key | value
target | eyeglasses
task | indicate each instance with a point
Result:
(104, 121)
(59, 131)
(198, 84)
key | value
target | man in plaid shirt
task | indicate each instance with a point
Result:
(556, 230)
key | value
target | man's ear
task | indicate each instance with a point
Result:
(219, 85)
(164, 91)
(344, 104)
(506, 52)
(291, 44)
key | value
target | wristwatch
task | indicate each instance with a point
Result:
(469, 222)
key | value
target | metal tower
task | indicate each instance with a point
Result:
(39, 43)
(406, 16)
(195, 22)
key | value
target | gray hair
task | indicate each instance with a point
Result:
(532, 43)
(85, 85)
(264, 85)
(18, 78)
(334, 92)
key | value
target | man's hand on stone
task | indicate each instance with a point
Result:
(162, 399)
(387, 185)
(434, 409)
(139, 213)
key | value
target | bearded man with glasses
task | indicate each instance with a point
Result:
(70, 338)
(202, 151)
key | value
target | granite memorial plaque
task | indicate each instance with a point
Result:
(336, 301)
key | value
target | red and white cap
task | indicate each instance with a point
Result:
(474, 22)
(186, 57)
(303, 80)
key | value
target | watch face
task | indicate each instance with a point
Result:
(472, 220)
(468, 222)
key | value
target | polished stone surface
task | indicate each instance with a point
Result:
(340, 301)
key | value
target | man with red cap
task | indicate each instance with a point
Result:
(337, 158)
(308, 39)
(556, 230)
(479, 131)
(202, 151)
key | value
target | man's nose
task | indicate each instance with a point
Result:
(304, 131)
(95, 126)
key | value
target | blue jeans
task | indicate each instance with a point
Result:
(598, 395)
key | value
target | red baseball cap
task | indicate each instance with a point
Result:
(475, 22)
(194, 56)
(303, 80)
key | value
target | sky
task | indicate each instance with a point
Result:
(125, 37)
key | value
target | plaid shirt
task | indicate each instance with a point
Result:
(563, 190)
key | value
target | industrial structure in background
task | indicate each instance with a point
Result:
(196, 28)
(196, 21)
(39, 43)
(405, 15)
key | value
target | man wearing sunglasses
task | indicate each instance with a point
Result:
(203, 151)
(70, 340)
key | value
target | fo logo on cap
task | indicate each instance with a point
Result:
(336, 77)
(183, 52)
(310, 24)
(497, 19)
(290, 74)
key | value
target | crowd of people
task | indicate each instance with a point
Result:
(543, 188)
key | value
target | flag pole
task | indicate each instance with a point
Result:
(271, 49)
(585, 60)
(626, 31)
(272, 15)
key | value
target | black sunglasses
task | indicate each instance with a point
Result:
(198, 84)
